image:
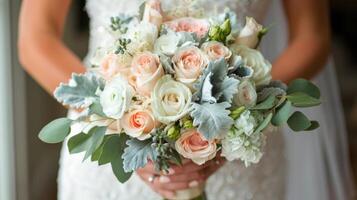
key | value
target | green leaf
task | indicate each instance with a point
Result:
(267, 104)
(282, 115)
(77, 143)
(118, 170)
(299, 122)
(87, 142)
(137, 153)
(304, 86)
(96, 108)
(80, 91)
(56, 131)
(268, 91)
(142, 10)
(211, 119)
(113, 147)
(96, 139)
(314, 125)
(299, 99)
(264, 123)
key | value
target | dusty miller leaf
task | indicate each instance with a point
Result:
(228, 88)
(137, 154)
(212, 119)
(80, 90)
(217, 70)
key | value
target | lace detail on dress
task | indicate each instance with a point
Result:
(263, 181)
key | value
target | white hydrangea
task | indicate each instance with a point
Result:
(242, 143)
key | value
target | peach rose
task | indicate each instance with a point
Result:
(194, 146)
(138, 124)
(146, 70)
(112, 65)
(152, 13)
(216, 50)
(189, 63)
(198, 26)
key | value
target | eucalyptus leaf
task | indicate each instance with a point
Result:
(78, 143)
(211, 119)
(56, 131)
(267, 104)
(137, 153)
(266, 92)
(96, 108)
(87, 142)
(118, 170)
(282, 115)
(314, 125)
(95, 140)
(264, 123)
(299, 99)
(299, 122)
(113, 147)
(304, 86)
(80, 91)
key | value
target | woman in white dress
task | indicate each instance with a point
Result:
(316, 167)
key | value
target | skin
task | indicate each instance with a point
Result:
(46, 58)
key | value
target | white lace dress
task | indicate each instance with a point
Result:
(88, 181)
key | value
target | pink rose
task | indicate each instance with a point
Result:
(216, 50)
(152, 13)
(189, 63)
(146, 70)
(111, 66)
(138, 124)
(191, 25)
(192, 145)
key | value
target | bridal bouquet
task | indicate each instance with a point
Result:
(180, 87)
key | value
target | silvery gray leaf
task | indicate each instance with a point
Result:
(166, 64)
(212, 119)
(137, 154)
(80, 90)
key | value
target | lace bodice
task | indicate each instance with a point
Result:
(233, 181)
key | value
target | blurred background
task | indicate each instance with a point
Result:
(36, 163)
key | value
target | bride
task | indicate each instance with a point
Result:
(310, 167)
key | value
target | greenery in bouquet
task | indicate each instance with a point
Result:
(183, 88)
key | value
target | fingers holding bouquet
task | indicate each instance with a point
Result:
(188, 175)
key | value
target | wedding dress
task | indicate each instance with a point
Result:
(274, 178)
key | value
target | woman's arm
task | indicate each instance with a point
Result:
(41, 50)
(309, 40)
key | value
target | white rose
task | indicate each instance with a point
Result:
(249, 34)
(116, 97)
(171, 100)
(247, 95)
(254, 59)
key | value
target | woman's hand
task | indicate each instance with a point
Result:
(179, 177)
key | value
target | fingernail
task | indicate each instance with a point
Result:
(164, 179)
(193, 184)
